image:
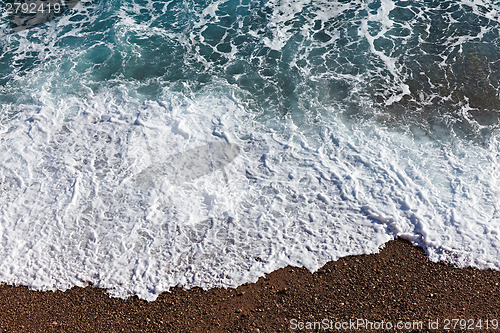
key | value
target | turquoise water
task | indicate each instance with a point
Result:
(435, 54)
(353, 121)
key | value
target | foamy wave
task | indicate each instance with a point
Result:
(73, 211)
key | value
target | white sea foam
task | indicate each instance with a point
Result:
(72, 211)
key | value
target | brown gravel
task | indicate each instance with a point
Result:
(398, 284)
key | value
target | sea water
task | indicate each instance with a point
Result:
(152, 144)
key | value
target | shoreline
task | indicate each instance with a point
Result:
(399, 284)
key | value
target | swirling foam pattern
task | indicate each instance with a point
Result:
(151, 144)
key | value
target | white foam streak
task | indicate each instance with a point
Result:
(382, 17)
(283, 12)
(486, 8)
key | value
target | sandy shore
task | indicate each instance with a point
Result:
(399, 284)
